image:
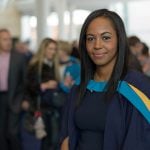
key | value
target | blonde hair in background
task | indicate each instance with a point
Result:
(38, 58)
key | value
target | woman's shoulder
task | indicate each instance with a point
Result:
(136, 89)
(138, 80)
(135, 73)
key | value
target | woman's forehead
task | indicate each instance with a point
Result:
(100, 24)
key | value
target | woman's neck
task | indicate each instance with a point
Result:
(103, 74)
(48, 62)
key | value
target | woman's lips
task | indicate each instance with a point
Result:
(99, 55)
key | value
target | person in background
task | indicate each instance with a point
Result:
(144, 59)
(43, 81)
(109, 108)
(12, 80)
(69, 66)
(135, 49)
(22, 47)
(135, 45)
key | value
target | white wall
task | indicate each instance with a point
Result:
(10, 19)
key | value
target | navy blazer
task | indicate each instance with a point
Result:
(128, 117)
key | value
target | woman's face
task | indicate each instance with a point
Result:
(101, 42)
(50, 51)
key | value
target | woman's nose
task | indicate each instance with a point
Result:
(98, 43)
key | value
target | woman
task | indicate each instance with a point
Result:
(42, 82)
(109, 109)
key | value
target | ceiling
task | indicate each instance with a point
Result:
(3, 3)
(27, 6)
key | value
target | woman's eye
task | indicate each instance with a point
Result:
(90, 39)
(106, 38)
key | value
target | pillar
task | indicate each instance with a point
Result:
(42, 11)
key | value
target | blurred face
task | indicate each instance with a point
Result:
(142, 59)
(62, 54)
(5, 41)
(50, 51)
(101, 42)
(136, 50)
(21, 47)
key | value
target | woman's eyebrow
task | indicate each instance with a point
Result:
(90, 34)
(106, 33)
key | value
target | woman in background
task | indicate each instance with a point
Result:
(42, 81)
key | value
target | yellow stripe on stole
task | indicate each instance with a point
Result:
(143, 97)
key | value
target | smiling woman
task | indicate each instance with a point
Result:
(109, 108)
(101, 43)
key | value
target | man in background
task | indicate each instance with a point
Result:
(12, 77)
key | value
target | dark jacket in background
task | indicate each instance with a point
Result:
(16, 81)
(33, 85)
